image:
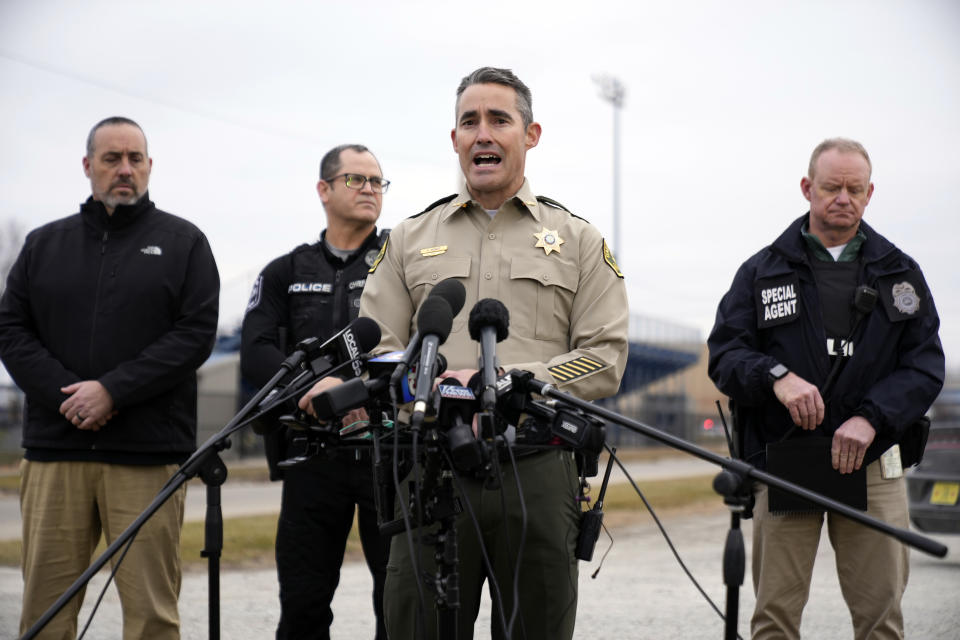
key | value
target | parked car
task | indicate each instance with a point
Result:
(933, 486)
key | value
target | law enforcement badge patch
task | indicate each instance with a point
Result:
(611, 262)
(778, 300)
(371, 257)
(548, 240)
(573, 369)
(379, 258)
(902, 295)
(905, 298)
(255, 294)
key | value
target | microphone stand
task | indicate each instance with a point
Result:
(733, 483)
(207, 463)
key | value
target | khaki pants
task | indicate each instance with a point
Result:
(872, 567)
(65, 507)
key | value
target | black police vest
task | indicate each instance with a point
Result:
(324, 295)
(836, 284)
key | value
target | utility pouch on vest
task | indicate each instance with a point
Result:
(806, 462)
(914, 441)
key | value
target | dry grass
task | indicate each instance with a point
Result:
(249, 541)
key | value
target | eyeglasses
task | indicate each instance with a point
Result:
(356, 181)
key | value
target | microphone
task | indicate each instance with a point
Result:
(344, 347)
(434, 323)
(358, 392)
(455, 408)
(453, 292)
(385, 365)
(488, 324)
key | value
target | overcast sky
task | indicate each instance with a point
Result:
(725, 101)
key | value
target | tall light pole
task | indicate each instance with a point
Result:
(613, 91)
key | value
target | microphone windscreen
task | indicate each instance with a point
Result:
(367, 332)
(453, 292)
(435, 318)
(489, 313)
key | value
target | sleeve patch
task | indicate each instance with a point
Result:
(255, 294)
(778, 300)
(379, 258)
(574, 369)
(609, 259)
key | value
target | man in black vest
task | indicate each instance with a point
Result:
(828, 344)
(314, 291)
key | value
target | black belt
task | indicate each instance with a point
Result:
(345, 454)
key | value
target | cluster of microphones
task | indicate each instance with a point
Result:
(486, 410)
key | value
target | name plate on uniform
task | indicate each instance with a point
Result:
(806, 461)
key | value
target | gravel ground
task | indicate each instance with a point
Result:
(640, 592)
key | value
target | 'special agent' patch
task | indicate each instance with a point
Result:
(778, 300)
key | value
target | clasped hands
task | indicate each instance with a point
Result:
(806, 407)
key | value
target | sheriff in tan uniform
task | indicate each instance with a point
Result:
(568, 325)
(551, 269)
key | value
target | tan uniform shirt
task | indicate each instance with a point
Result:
(566, 298)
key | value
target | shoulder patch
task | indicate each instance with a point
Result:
(573, 369)
(255, 294)
(379, 258)
(553, 203)
(609, 259)
(436, 204)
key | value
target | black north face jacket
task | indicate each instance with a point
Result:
(130, 300)
(772, 314)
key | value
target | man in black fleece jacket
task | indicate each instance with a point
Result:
(105, 318)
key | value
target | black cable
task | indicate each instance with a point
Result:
(593, 576)
(416, 539)
(494, 585)
(113, 572)
(523, 537)
(405, 514)
(666, 537)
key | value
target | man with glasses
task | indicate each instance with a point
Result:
(314, 291)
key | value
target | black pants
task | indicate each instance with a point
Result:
(315, 518)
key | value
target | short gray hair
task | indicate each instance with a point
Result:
(844, 145)
(112, 120)
(505, 77)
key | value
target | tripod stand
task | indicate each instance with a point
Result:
(206, 463)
